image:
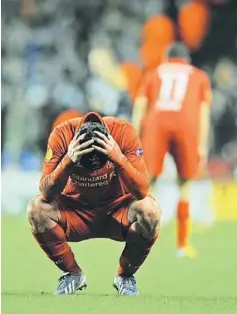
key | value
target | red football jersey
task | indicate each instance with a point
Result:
(102, 187)
(175, 90)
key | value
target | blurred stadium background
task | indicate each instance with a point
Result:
(65, 57)
(78, 56)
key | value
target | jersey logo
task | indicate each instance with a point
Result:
(139, 152)
(49, 154)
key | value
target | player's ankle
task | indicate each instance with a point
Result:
(77, 272)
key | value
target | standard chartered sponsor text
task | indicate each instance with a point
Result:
(90, 182)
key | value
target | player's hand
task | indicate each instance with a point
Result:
(108, 146)
(77, 150)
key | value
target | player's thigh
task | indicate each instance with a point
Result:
(186, 156)
(155, 144)
(78, 223)
(146, 212)
(116, 224)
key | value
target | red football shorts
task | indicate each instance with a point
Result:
(81, 224)
(182, 146)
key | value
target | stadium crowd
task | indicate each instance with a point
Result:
(91, 55)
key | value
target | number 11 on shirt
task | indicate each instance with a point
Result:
(172, 91)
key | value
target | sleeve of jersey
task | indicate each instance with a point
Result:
(132, 166)
(56, 167)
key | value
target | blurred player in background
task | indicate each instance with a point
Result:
(171, 112)
(94, 185)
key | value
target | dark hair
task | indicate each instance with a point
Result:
(178, 50)
(94, 160)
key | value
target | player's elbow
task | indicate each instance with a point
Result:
(47, 194)
(141, 196)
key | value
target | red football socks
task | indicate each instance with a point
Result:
(53, 243)
(134, 254)
(182, 223)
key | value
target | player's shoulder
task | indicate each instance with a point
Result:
(200, 73)
(115, 124)
(65, 131)
(69, 125)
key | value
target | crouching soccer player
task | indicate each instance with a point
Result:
(94, 185)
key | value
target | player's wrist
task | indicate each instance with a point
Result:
(116, 155)
(73, 157)
(120, 160)
(68, 159)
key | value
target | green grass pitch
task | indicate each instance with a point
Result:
(207, 284)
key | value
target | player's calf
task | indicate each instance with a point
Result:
(51, 237)
(183, 220)
(144, 216)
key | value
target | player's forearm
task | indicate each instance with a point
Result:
(136, 182)
(53, 184)
(138, 113)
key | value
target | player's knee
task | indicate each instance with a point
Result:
(38, 214)
(148, 215)
(151, 214)
(35, 211)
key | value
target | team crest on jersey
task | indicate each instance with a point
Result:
(139, 152)
(48, 155)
